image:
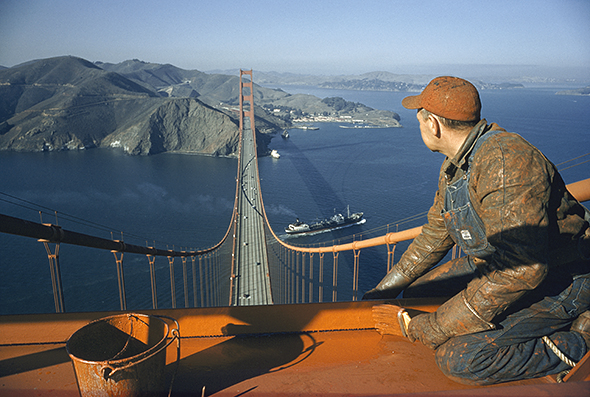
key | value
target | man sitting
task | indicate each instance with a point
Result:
(524, 283)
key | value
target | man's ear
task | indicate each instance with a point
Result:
(434, 125)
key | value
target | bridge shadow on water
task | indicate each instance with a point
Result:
(321, 192)
(323, 195)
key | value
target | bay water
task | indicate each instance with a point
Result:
(185, 202)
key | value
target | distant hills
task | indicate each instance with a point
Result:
(372, 81)
(68, 103)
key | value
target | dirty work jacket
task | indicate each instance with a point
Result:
(530, 220)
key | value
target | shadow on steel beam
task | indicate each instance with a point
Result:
(241, 358)
(33, 361)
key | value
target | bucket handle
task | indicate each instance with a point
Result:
(175, 335)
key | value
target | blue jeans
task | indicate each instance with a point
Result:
(515, 349)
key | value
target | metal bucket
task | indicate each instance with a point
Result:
(122, 355)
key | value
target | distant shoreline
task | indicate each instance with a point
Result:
(579, 92)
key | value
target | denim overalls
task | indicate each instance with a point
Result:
(462, 222)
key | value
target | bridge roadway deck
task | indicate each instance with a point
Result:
(252, 283)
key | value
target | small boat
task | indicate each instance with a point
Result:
(275, 154)
(336, 221)
(285, 134)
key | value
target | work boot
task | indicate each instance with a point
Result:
(581, 325)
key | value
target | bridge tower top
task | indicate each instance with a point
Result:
(246, 98)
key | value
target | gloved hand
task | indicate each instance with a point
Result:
(390, 286)
(426, 329)
(376, 293)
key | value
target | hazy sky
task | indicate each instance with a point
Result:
(305, 36)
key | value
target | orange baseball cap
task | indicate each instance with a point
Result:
(449, 97)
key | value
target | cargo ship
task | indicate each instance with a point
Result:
(334, 222)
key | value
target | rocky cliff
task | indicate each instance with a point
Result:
(182, 125)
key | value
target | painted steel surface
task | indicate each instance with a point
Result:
(310, 349)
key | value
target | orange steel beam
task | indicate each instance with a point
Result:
(580, 190)
(311, 349)
(216, 321)
(389, 238)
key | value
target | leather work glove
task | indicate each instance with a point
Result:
(390, 286)
(426, 329)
